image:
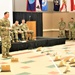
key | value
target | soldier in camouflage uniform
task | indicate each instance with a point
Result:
(71, 26)
(25, 29)
(62, 26)
(5, 35)
(16, 30)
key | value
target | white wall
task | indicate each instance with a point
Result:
(6, 5)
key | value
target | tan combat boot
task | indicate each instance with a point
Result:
(4, 56)
(13, 41)
(23, 39)
(8, 55)
(17, 41)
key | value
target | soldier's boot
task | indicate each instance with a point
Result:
(4, 52)
(12, 41)
(7, 52)
(4, 56)
(16, 40)
(23, 39)
(8, 55)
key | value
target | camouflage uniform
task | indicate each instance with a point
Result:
(5, 36)
(62, 26)
(71, 26)
(15, 32)
(25, 29)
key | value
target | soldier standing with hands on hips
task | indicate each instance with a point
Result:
(5, 35)
(71, 26)
(62, 26)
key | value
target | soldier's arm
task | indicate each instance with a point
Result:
(13, 27)
(64, 25)
(2, 28)
(27, 27)
(59, 26)
(68, 25)
(19, 29)
(20, 26)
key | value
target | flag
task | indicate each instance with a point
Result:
(38, 5)
(74, 5)
(31, 5)
(56, 5)
(41, 5)
(63, 6)
(70, 5)
(40, 1)
(44, 5)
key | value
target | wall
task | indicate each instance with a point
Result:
(19, 5)
(51, 20)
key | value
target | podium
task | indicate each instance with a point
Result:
(32, 26)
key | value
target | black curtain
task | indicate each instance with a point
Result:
(30, 16)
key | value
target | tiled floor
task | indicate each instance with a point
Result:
(33, 62)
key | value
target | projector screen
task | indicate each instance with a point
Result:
(6, 5)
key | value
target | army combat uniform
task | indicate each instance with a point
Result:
(27, 32)
(16, 30)
(62, 26)
(5, 36)
(71, 26)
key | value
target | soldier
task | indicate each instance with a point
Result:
(5, 35)
(16, 30)
(62, 26)
(71, 26)
(25, 29)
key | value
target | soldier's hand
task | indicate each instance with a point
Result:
(8, 28)
(20, 31)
